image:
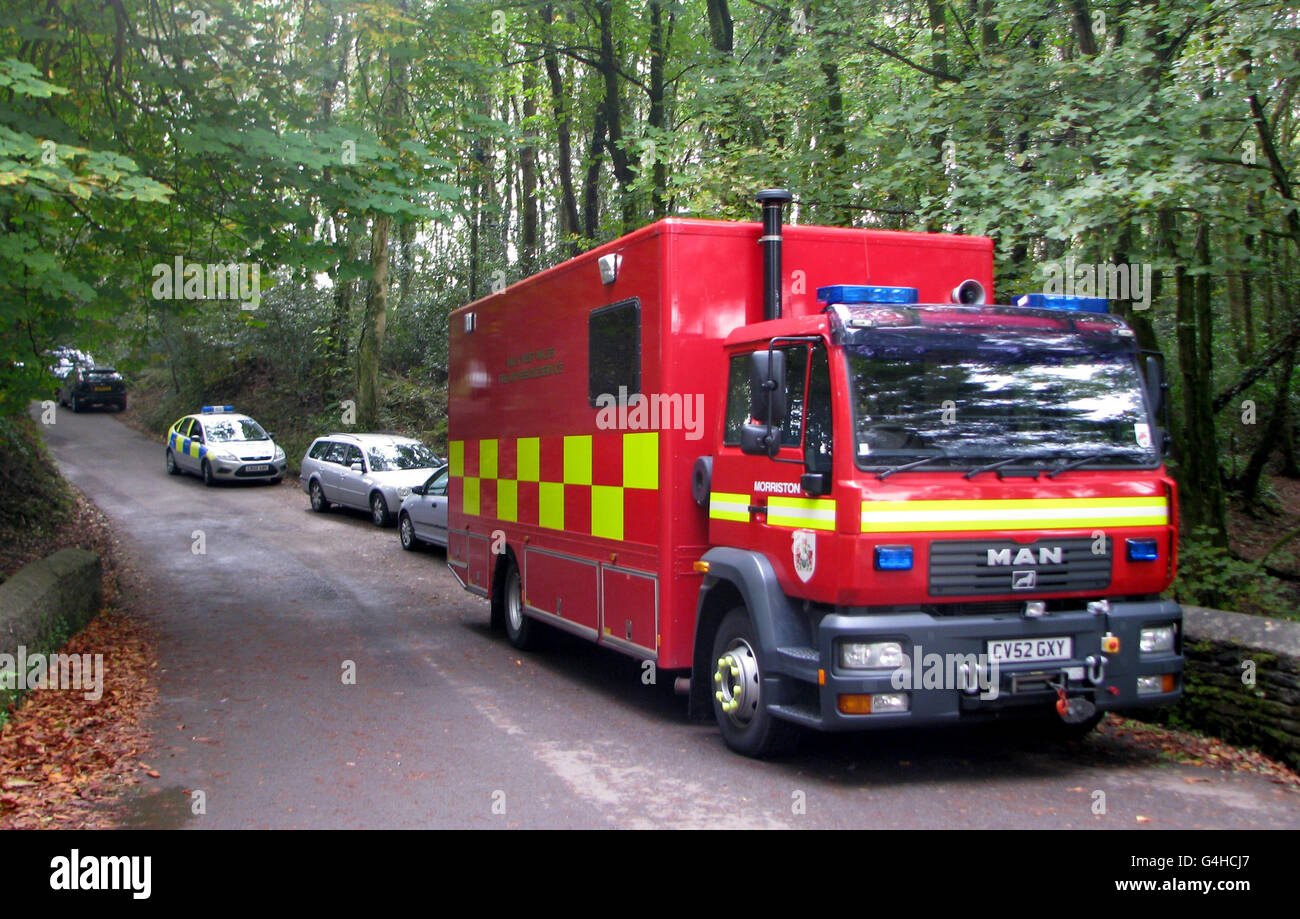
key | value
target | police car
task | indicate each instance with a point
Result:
(219, 444)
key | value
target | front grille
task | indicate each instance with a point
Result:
(1001, 566)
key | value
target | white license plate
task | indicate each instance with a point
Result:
(262, 468)
(1028, 650)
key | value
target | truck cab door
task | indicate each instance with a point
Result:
(759, 501)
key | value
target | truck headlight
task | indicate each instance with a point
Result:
(861, 655)
(1158, 639)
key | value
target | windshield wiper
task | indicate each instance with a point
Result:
(912, 465)
(989, 467)
(1083, 460)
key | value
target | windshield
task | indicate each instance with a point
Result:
(392, 457)
(231, 429)
(964, 400)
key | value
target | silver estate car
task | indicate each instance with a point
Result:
(371, 472)
(423, 515)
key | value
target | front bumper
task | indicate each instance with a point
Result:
(809, 689)
(252, 470)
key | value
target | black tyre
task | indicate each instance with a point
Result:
(520, 629)
(76, 404)
(746, 725)
(379, 511)
(319, 503)
(274, 481)
(172, 468)
(208, 478)
(406, 530)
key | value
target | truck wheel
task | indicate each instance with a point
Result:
(520, 629)
(747, 727)
(319, 503)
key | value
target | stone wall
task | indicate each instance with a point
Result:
(1215, 698)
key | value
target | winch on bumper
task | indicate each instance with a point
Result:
(979, 667)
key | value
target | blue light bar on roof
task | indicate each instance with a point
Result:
(214, 409)
(863, 293)
(1060, 302)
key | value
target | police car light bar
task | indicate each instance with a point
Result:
(863, 293)
(1060, 302)
(214, 409)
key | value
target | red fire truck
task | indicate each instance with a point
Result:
(820, 475)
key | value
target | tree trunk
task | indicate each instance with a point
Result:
(1202, 489)
(528, 213)
(568, 217)
(613, 107)
(657, 116)
(374, 326)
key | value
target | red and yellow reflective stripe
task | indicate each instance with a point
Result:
(803, 513)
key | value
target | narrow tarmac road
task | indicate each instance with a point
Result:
(448, 726)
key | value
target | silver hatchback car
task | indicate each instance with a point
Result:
(371, 472)
(423, 516)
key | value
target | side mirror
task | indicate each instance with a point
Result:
(357, 467)
(417, 490)
(1156, 385)
(815, 483)
(766, 403)
(759, 440)
(767, 386)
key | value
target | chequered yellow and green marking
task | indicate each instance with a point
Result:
(604, 485)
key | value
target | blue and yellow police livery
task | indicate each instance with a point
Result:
(219, 444)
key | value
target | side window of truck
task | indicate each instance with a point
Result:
(614, 349)
(796, 375)
(817, 445)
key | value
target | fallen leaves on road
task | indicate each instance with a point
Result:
(1198, 750)
(63, 755)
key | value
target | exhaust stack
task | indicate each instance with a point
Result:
(772, 200)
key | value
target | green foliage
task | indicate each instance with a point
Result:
(33, 498)
(1211, 576)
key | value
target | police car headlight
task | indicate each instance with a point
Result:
(224, 456)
